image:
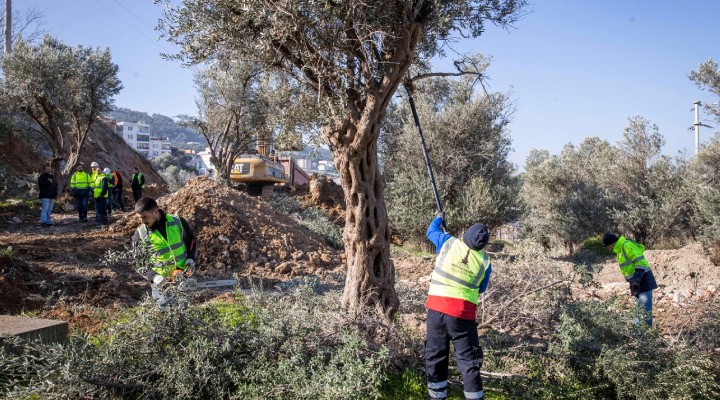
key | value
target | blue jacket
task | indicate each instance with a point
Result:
(438, 238)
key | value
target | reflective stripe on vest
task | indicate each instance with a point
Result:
(167, 255)
(458, 271)
(627, 266)
(82, 183)
(98, 186)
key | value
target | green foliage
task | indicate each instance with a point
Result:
(62, 90)
(318, 221)
(285, 204)
(294, 346)
(628, 188)
(705, 183)
(594, 244)
(596, 353)
(707, 77)
(8, 252)
(410, 384)
(312, 218)
(176, 177)
(468, 143)
(174, 158)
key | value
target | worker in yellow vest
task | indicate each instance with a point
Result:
(80, 185)
(462, 271)
(95, 171)
(170, 241)
(636, 271)
(101, 190)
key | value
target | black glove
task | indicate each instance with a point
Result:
(440, 214)
(634, 289)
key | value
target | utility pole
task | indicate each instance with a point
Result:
(697, 126)
(8, 26)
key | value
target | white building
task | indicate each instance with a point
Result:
(197, 161)
(208, 167)
(137, 135)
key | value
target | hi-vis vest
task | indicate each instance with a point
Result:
(167, 255)
(80, 180)
(459, 271)
(630, 256)
(98, 186)
(136, 178)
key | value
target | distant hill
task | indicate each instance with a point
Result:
(160, 125)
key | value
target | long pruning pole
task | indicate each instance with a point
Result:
(409, 89)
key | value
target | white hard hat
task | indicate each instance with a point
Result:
(106, 171)
(94, 164)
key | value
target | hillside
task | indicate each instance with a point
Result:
(160, 125)
(24, 155)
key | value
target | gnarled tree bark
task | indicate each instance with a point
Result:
(370, 280)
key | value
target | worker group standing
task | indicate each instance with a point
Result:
(462, 271)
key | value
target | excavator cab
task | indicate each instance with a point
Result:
(257, 174)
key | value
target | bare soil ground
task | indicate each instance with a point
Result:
(55, 272)
(57, 269)
(687, 278)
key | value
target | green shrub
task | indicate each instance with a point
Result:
(594, 244)
(264, 346)
(596, 353)
(317, 221)
(285, 204)
(312, 218)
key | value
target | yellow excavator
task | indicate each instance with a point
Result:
(259, 174)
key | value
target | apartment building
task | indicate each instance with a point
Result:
(138, 136)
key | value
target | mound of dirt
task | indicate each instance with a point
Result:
(241, 234)
(324, 194)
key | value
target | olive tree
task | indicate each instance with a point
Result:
(62, 90)
(351, 55)
(706, 166)
(707, 77)
(630, 188)
(468, 144)
(231, 111)
(705, 182)
(564, 196)
(655, 202)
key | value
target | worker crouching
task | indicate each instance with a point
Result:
(170, 241)
(462, 271)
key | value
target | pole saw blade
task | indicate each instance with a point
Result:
(193, 284)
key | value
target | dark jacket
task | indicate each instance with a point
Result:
(46, 184)
(137, 180)
(116, 180)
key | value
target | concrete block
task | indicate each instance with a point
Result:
(29, 328)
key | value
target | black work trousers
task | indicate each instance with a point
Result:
(137, 194)
(441, 330)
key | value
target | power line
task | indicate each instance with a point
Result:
(139, 18)
(128, 24)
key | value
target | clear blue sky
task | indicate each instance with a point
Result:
(576, 68)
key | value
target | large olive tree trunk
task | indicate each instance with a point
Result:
(370, 280)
